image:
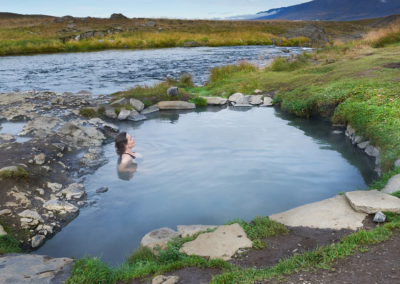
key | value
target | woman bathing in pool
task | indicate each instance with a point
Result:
(124, 144)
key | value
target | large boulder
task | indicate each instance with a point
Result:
(372, 201)
(216, 100)
(172, 92)
(60, 206)
(256, 99)
(81, 136)
(31, 268)
(30, 214)
(74, 191)
(235, 97)
(165, 105)
(333, 213)
(392, 185)
(159, 237)
(222, 243)
(137, 105)
(109, 112)
(150, 109)
(124, 114)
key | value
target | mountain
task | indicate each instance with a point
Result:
(333, 10)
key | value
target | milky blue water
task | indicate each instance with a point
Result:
(208, 167)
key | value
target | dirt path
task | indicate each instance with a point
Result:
(380, 264)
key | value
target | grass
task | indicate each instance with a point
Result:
(19, 174)
(88, 112)
(8, 243)
(28, 35)
(322, 257)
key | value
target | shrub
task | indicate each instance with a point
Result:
(88, 112)
(8, 244)
(18, 174)
(199, 101)
(142, 254)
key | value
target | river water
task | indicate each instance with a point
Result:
(208, 167)
(105, 72)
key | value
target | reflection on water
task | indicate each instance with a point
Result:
(208, 167)
(125, 171)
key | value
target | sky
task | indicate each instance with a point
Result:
(185, 9)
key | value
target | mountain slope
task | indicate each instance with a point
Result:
(334, 10)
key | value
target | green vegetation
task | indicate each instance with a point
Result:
(199, 102)
(8, 243)
(18, 174)
(150, 95)
(320, 258)
(88, 112)
(28, 35)
(397, 194)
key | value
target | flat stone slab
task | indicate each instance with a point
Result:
(372, 201)
(34, 269)
(159, 237)
(216, 100)
(165, 105)
(333, 213)
(161, 279)
(222, 243)
(393, 185)
(190, 230)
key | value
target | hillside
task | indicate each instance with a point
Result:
(334, 10)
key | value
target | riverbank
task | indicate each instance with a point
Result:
(44, 34)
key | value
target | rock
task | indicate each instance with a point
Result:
(257, 92)
(350, 130)
(54, 187)
(392, 185)
(363, 145)
(222, 243)
(235, 97)
(2, 231)
(256, 99)
(40, 191)
(161, 279)
(268, 102)
(37, 241)
(93, 158)
(41, 126)
(379, 217)
(165, 105)
(216, 100)
(190, 230)
(102, 189)
(104, 125)
(138, 105)
(57, 205)
(191, 43)
(397, 163)
(110, 112)
(74, 191)
(80, 136)
(5, 138)
(333, 213)
(356, 139)
(5, 212)
(39, 159)
(118, 16)
(123, 114)
(31, 215)
(135, 116)
(172, 92)
(30, 268)
(372, 151)
(151, 109)
(159, 237)
(372, 201)
(9, 169)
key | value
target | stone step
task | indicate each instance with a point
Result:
(372, 201)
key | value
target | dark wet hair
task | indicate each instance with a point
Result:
(120, 142)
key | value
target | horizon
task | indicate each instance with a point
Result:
(174, 9)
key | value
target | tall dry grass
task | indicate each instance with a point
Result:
(384, 36)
